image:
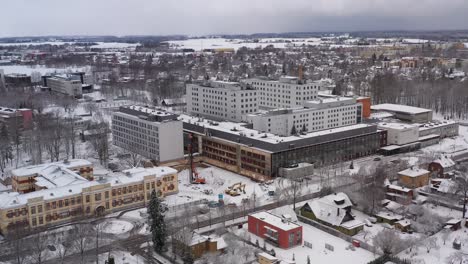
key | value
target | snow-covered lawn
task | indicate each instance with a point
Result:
(217, 181)
(419, 253)
(121, 257)
(342, 252)
(116, 227)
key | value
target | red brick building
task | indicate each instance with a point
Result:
(279, 231)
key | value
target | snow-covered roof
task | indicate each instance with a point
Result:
(52, 175)
(274, 220)
(352, 224)
(331, 208)
(267, 256)
(396, 126)
(400, 108)
(445, 161)
(413, 172)
(240, 129)
(404, 222)
(389, 215)
(14, 199)
(68, 164)
(398, 188)
(138, 174)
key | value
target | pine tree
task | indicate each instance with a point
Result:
(110, 260)
(304, 129)
(351, 166)
(157, 223)
(293, 130)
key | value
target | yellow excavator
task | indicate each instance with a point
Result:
(235, 189)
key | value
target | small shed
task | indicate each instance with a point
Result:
(454, 224)
(403, 225)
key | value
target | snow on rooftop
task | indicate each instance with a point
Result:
(276, 221)
(155, 112)
(400, 108)
(413, 172)
(14, 199)
(33, 169)
(331, 208)
(445, 161)
(395, 125)
(239, 129)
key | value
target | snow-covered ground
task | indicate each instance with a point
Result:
(419, 254)
(116, 227)
(26, 69)
(342, 252)
(217, 181)
(121, 257)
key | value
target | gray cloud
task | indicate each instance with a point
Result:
(193, 17)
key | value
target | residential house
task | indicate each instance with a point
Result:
(399, 194)
(333, 210)
(403, 225)
(388, 217)
(414, 177)
(198, 244)
(442, 167)
(265, 258)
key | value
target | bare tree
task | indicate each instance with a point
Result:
(100, 142)
(39, 246)
(388, 242)
(430, 243)
(457, 257)
(290, 188)
(63, 242)
(83, 234)
(461, 186)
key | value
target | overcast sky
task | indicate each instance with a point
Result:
(196, 17)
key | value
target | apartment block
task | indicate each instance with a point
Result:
(152, 133)
(220, 100)
(287, 92)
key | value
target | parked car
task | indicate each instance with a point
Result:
(377, 159)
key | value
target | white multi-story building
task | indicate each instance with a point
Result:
(152, 133)
(2, 79)
(399, 133)
(69, 85)
(220, 100)
(315, 115)
(287, 92)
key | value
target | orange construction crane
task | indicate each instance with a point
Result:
(194, 177)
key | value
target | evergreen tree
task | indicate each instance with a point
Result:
(351, 166)
(304, 129)
(157, 223)
(110, 260)
(308, 260)
(293, 130)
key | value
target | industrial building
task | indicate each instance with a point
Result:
(65, 196)
(152, 133)
(406, 113)
(235, 147)
(220, 100)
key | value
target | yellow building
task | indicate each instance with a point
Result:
(83, 198)
(264, 258)
(414, 177)
(37, 177)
